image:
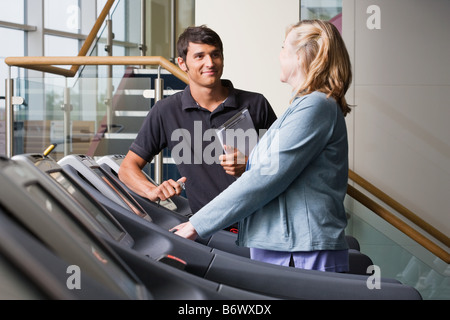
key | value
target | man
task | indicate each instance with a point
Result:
(187, 118)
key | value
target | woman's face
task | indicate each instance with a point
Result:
(291, 70)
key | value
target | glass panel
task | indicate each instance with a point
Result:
(398, 256)
(122, 31)
(15, 48)
(42, 121)
(122, 19)
(12, 11)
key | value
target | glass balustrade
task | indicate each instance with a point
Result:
(397, 255)
(97, 116)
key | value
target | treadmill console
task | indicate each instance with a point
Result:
(114, 162)
(94, 174)
(92, 212)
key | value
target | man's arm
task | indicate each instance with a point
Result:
(130, 173)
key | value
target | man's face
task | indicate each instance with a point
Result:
(204, 64)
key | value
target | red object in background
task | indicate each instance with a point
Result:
(337, 21)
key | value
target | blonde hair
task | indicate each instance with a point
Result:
(326, 62)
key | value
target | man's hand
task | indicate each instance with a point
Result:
(130, 173)
(233, 161)
(185, 230)
(166, 190)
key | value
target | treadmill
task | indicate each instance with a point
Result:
(103, 179)
(243, 273)
(30, 271)
(53, 219)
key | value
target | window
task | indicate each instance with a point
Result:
(12, 11)
(68, 17)
(12, 37)
(322, 9)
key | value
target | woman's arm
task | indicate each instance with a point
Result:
(280, 156)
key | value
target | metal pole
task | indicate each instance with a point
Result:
(67, 110)
(143, 45)
(9, 129)
(158, 165)
(109, 85)
(173, 34)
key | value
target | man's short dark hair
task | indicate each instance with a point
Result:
(199, 34)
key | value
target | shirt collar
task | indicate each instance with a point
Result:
(187, 102)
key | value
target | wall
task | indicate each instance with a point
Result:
(252, 32)
(399, 128)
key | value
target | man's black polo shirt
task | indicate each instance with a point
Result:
(178, 122)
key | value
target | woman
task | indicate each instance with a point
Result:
(293, 214)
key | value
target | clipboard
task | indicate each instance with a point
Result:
(238, 132)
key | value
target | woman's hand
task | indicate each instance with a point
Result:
(185, 230)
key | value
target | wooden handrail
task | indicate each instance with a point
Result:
(398, 223)
(46, 64)
(399, 208)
